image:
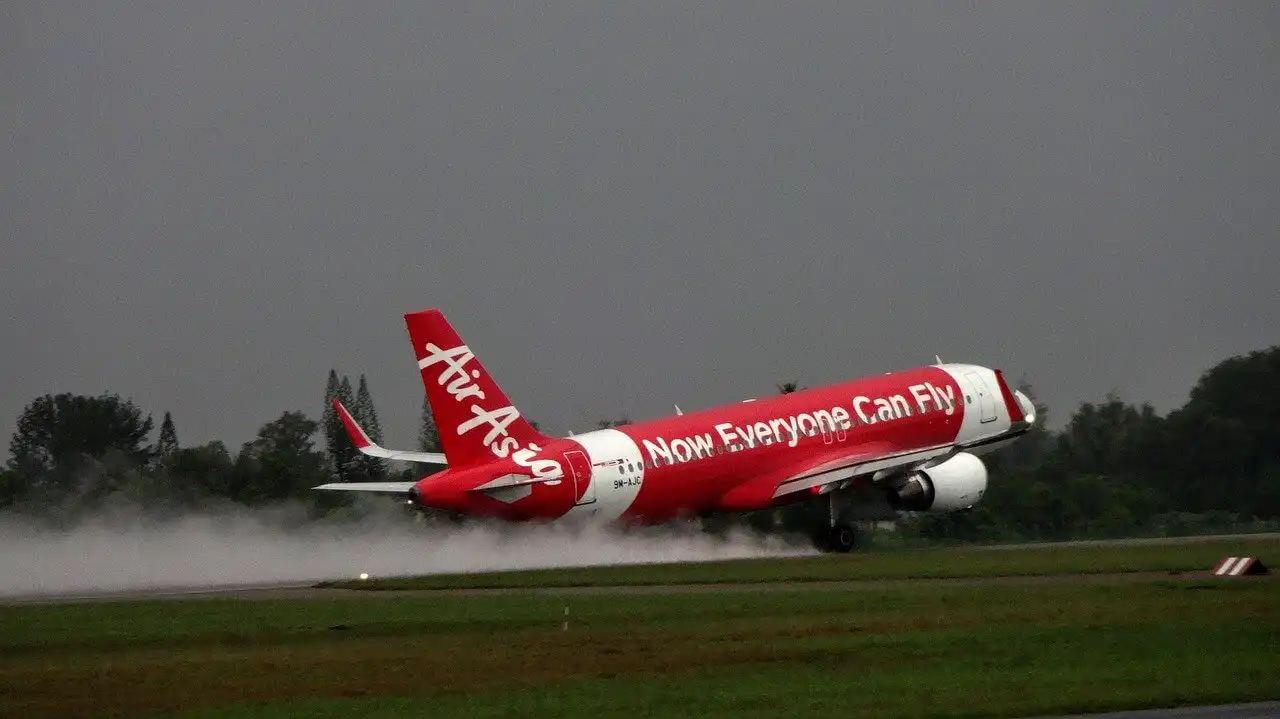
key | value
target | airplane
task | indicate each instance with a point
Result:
(911, 440)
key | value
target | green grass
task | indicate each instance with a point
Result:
(921, 650)
(1183, 556)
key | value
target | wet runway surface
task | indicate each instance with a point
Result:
(308, 590)
(1226, 711)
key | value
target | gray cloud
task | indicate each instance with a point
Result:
(625, 207)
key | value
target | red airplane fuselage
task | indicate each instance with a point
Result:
(742, 456)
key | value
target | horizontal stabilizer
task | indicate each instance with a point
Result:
(515, 480)
(383, 487)
(366, 445)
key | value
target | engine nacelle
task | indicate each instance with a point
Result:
(957, 483)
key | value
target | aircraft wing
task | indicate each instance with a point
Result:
(383, 487)
(367, 446)
(860, 461)
(865, 461)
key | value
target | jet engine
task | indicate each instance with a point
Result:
(957, 483)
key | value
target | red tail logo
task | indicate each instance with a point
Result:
(476, 420)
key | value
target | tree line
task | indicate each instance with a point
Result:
(1114, 469)
(1119, 469)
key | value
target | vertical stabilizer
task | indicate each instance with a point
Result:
(476, 420)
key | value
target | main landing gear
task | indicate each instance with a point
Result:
(838, 537)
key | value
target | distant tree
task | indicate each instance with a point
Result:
(428, 441)
(329, 418)
(621, 421)
(345, 392)
(366, 467)
(282, 461)
(341, 450)
(168, 442)
(365, 413)
(206, 469)
(429, 434)
(59, 431)
(764, 521)
(1114, 438)
(12, 488)
(1227, 438)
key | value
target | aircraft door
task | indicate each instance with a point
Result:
(580, 467)
(986, 400)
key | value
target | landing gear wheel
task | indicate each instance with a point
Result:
(839, 539)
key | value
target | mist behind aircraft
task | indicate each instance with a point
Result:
(125, 550)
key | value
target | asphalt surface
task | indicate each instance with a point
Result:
(307, 590)
(1225, 711)
(304, 589)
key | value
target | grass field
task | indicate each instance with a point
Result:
(1187, 555)
(920, 650)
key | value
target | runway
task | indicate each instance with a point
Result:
(309, 590)
(1257, 710)
(173, 574)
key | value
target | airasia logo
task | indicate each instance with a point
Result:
(458, 382)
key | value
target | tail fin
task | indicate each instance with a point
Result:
(475, 419)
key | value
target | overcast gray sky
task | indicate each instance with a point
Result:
(624, 206)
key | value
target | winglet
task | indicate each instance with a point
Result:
(367, 446)
(357, 434)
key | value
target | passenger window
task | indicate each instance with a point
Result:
(621, 469)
